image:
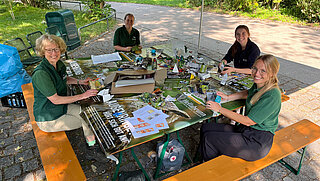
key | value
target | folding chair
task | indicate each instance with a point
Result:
(32, 37)
(24, 53)
(54, 30)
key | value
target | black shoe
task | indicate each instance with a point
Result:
(95, 153)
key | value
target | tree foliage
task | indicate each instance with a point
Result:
(97, 9)
(310, 9)
(37, 3)
(304, 9)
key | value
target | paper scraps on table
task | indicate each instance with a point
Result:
(147, 121)
(105, 94)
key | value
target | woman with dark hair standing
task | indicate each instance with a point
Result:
(243, 52)
(253, 137)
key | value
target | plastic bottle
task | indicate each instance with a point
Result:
(17, 100)
(22, 100)
(154, 64)
(222, 66)
(9, 100)
(13, 101)
(224, 79)
(218, 100)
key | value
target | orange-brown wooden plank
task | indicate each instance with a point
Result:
(286, 141)
(58, 158)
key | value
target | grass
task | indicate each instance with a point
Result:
(30, 19)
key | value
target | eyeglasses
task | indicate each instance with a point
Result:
(52, 50)
(255, 69)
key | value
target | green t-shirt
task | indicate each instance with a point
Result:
(47, 81)
(124, 39)
(266, 110)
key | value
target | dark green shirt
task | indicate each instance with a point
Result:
(266, 110)
(47, 81)
(124, 39)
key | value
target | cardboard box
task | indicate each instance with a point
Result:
(141, 87)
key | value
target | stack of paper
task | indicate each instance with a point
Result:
(96, 59)
(147, 121)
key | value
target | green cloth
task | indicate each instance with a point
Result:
(266, 110)
(46, 82)
(124, 39)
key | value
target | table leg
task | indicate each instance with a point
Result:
(115, 175)
(185, 150)
(159, 162)
(140, 165)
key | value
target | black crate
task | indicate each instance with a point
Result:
(14, 100)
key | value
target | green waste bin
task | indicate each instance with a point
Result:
(64, 20)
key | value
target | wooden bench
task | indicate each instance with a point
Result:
(286, 141)
(58, 158)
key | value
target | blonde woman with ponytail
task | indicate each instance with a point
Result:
(252, 138)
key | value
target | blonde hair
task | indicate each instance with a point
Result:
(43, 40)
(272, 66)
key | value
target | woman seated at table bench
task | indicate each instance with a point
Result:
(243, 52)
(126, 37)
(252, 138)
(52, 109)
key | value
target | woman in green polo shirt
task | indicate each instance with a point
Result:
(127, 37)
(252, 138)
(52, 107)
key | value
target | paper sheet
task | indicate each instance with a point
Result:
(147, 121)
(96, 59)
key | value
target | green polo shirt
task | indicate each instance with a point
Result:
(266, 110)
(124, 39)
(47, 81)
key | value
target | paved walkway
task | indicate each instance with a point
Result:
(296, 47)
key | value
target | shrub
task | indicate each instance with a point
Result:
(231, 5)
(310, 9)
(96, 9)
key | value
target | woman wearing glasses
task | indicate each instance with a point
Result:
(252, 138)
(52, 107)
(243, 52)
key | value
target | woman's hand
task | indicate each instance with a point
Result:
(89, 93)
(128, 49)
(213, 106)
(86, 81)
(224, 62)
(228, 70)
(223, 96)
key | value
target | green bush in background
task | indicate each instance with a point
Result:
(96, 9)
(308, 10)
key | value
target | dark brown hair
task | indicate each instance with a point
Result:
(128, 14)
(236, 43)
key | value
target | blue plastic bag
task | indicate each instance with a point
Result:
(10, 63)
(12, 76)
(13, 84)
